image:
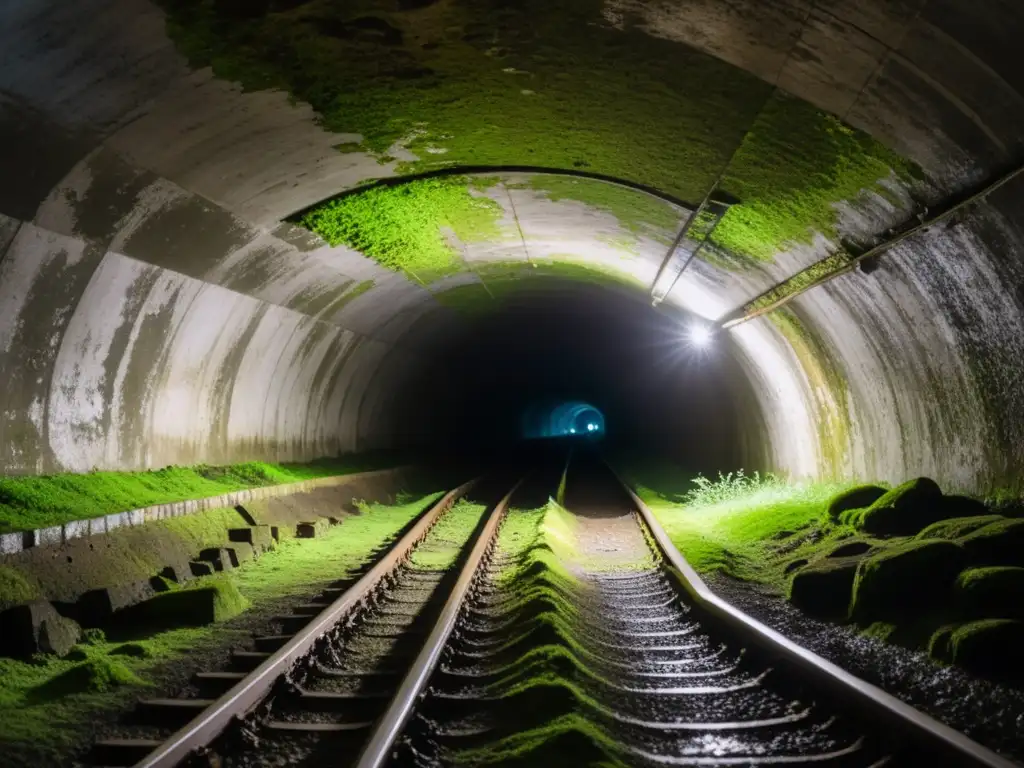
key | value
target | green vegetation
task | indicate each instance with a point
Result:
(401, 227)
(749, 527)
(643, 215)
(44, 500)
(47, 705)
(487, 83)
(440, 550)
(831, 265)
(793, 166)
(882, 559)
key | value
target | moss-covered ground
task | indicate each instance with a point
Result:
(909, 565)
(39, 501)
(548, 713)
(47, 706)
(548, 85)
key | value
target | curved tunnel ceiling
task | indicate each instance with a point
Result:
(163, 300)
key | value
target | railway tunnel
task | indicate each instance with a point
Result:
(163, 303)
(785, 237)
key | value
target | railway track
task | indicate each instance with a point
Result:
(549, 637)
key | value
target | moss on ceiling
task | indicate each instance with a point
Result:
(402, 227)
(460, 83)
(794, 165)
(486, 83)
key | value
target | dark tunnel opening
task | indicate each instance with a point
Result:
(559, 343)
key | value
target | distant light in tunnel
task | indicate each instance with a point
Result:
(572, 430)
(701, 335)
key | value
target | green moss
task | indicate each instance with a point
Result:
(957, 527)
(16, 587)
(824, 588)
(640, 213)
(489, 83)
(998, 543)
(755, 533)
(570, 739)
(45, 500)
(990, 593)
(857, 497)
(793, 166)
(990, 648)
(402, 227)
(97, 675)
(905, 580)
(829, 390)
(446, 540)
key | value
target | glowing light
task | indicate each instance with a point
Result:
(572, 430)
(701, 335)
(591, 427)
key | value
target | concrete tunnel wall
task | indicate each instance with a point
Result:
(155, 309)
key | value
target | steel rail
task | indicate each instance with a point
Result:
(872, 701)
(379, 747)
(249, 692)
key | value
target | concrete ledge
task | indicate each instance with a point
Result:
(12, 543)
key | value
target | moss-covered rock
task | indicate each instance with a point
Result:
(857, 497)
(824, 587)
(990, 593)
(36, 627)
(903, 511)
(956, 527)
(990, 648)
(998, 543)
(97, 675)
(851, 548)
(215, 599)
(905, 580)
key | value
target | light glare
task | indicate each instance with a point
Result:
(700, 335)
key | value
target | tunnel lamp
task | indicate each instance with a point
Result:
(572, 430)
(700, 335)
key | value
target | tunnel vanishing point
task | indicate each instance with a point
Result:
(275, 229)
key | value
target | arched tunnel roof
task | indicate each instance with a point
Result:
(180, 281)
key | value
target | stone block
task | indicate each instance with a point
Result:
(259, 536)
(97, 526)
(48, 537)
(179, 574)
(312, 529)
(12, 543)
(136, 517)
(240, 552)
(219, 557)
(96, 606)
(200, 568)
(115, 521)
(76, 529)
(36, 628)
